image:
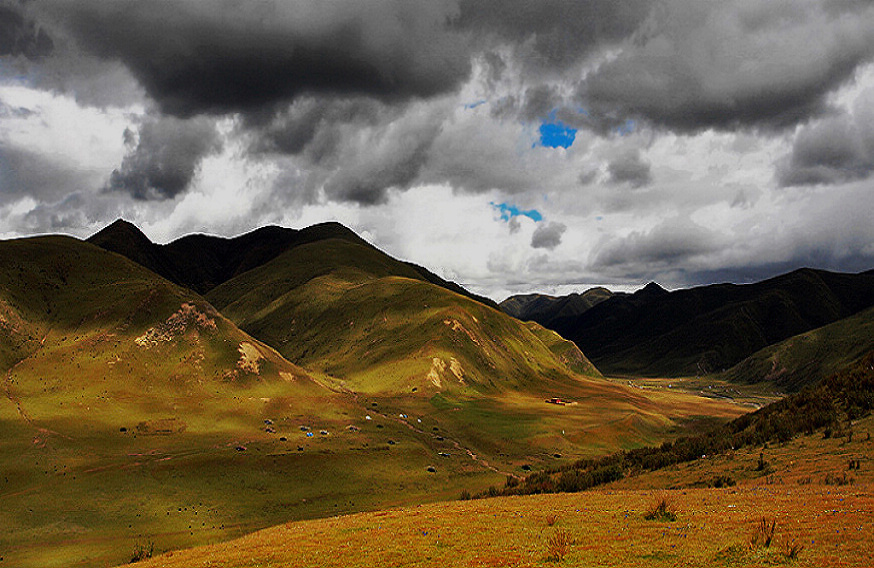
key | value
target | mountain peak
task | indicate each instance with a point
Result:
(119, 230)
(652, 289)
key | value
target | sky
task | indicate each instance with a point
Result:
(509, 145)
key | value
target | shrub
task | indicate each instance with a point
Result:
(763, 534)
(551, 520)
(838, 479)
(723, 481)
(791, 550)
(661, 511)
(558, 545)
(465, 495)
(142, 552)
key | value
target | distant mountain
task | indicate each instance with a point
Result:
(202, 262)
(546, 309)
(710, 328)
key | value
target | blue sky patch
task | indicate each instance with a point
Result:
(557, 134)
(509, 211)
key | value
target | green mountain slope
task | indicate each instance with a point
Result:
(67, 300)
(707, 329)
(809, 357)
(396, 331)
(124, 401)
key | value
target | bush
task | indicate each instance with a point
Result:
(558, 545)
(763, 534)
(142, 552)
(723, 481)
(661, 511)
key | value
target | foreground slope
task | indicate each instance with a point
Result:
(803, 500)
(817, 523)
(707, 329)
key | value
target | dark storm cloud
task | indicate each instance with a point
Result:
(548, 236)
(630, 168)
(673, 242)
(835, 150)
(347, 149)
(313, 125)
(226, 56)
(389, 156)
(553, 34)
(20, 35)
(733, 64)
(164, 158)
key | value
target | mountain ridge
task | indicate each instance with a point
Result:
(710, 328)
(202, 262)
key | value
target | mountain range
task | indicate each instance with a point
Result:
(707, 329)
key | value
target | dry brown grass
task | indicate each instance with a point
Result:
(558, 544)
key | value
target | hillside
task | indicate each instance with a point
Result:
(804, 359)
(821, 515)
(202, 262)
(397, 332)
(546, 309)
(125, 394)
(707, 329)
(836, 405)
(801, 499)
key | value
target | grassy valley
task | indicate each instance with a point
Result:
(802, 500)
(136, 411)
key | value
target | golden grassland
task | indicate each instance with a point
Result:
(606, 528)
(823, 515)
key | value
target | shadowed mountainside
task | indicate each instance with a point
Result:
(809, 357)
(702, 330)
(546, 309)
